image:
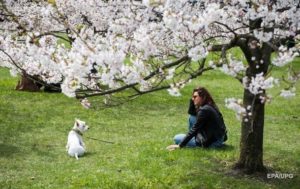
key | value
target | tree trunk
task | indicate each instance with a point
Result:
(251, 144)
(26, 84)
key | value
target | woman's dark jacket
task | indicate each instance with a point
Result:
(208, 128)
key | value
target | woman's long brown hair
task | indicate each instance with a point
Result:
(206, 96)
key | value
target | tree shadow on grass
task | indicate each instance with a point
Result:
(43, 150)
(267, 178)
(7, 150)
(226, 147)
(87, 154)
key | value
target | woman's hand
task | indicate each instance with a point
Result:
(172, 147)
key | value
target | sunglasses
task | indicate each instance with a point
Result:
(195, 96)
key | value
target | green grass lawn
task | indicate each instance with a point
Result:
(34, 128)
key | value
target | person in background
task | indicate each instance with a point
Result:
(209, 130)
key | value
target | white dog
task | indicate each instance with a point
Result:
(75, 146)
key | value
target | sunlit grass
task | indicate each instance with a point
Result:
(34, 129)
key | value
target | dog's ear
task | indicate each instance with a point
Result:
(77, 122)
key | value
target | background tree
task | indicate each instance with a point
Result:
(141, 47)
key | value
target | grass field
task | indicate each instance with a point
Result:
(34, 129)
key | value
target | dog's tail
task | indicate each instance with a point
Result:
(76, 156)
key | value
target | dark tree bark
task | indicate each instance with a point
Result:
(27, 84)
(33, 84)
(251, 144)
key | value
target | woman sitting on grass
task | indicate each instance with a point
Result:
(209, 129)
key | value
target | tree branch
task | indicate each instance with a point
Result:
(152, 74)
(25, 74)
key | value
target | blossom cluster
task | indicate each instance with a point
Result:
(287, 93)
(285, 56)
(237, 106)
(108, 45)
(259, 83)
(233, 68)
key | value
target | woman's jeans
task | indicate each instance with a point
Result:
(192, 120)
(179, 137)
(192, 143)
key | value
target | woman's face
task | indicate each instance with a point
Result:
(198, 100)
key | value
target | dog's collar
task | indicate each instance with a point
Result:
(78, 132)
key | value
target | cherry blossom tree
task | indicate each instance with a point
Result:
(102, 48)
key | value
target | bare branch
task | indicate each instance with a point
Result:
(224, 47)
(227, 27)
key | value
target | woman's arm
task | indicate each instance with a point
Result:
(172, 147)
(201, 119)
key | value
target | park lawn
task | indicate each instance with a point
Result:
(34, 128)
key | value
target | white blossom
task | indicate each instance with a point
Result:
(287, 93)
(85, 103)
(233, 68)
(170, 73)
(259, 83)
(265, 98)
(212, 64)
(263, 36)
(284, 56)
(174, 91)
(153, 2)
(124, 42)
(236, 106)
(197, 53)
